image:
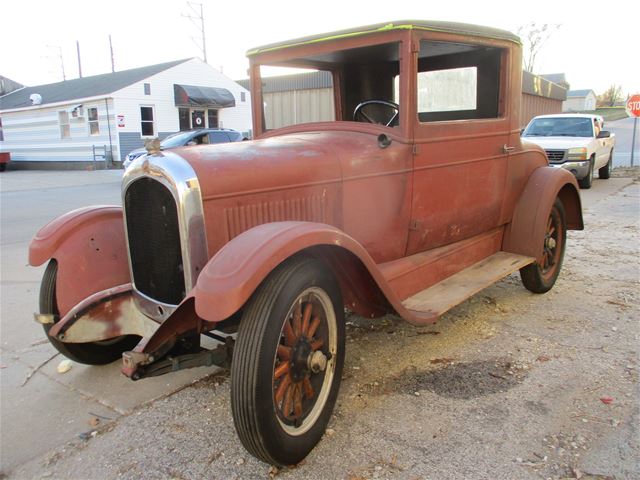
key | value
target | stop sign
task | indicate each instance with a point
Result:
(633, 106)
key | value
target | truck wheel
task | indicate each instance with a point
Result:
(605, 172)
(586, 181)
(287, 362)
(539, 277)
(3, 167)
(95, 353)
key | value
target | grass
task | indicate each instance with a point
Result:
(609, 113)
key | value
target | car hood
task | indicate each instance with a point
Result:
(558, 143)
(241, 168)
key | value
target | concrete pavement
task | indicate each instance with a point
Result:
(47, 409)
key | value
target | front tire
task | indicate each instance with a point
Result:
(95, 353)
(588, 180)
(287, 362)
(539, 277)
(605, 172)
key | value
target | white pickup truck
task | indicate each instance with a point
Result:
(575, 142)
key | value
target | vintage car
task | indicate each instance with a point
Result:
(415, 196)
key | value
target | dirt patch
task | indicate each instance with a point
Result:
(464, 380)
(626, 172)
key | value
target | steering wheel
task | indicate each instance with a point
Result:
(358, 111)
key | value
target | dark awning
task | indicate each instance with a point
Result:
(190, 95)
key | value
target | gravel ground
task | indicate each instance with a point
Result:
(508, 385)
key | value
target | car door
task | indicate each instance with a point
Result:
(461, 143)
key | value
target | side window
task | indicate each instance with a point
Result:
(63, 121)
(94, 126)
(448, 90)
(218, 137)
(147, 125)
(458, 81)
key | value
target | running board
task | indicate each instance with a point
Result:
(455, 289)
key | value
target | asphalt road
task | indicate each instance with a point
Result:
(41, 409)
(624, 133)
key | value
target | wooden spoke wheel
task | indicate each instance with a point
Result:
(539, 277)
(287, 362)
(304, 365)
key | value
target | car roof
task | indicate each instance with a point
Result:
(431, 25)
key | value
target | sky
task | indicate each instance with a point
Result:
(594, 46)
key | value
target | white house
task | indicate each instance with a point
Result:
(72, 124)
(579, 101)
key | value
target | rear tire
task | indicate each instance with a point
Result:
(541, 276)
(282, 395)
(605, 172)
(95, 353)
(588, 180)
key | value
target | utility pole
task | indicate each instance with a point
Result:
(79, 63)
(113, 68)
(64, 77)
(198, 20)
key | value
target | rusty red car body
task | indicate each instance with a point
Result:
(410, 211)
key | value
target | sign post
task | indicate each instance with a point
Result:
(633, 110)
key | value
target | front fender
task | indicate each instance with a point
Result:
(525, 234)
(234, 273)
(90, 248)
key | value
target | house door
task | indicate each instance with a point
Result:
(197, 119)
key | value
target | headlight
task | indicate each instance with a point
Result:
(577, 154)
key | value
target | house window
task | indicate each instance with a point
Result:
(63, 121)
(147, 126)
(147, 89)
(94, 127)
(243, 97)
(213, 118)
(1, 132)
(183, 119)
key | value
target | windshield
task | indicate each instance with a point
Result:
(559, 127)
(176, 140)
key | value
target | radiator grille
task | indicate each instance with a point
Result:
(555, 156)
(154, 241)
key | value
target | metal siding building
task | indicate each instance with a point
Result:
(78, 120)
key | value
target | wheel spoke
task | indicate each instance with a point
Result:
(289, 336)
(297, 320)
(551, 230)
(297, 401)
(288, 400)
(315, 323)
(308, 309)
(308, 388)
(282, 388)
(317, 344)
(550, 222)
(281, 370)
(284, 353)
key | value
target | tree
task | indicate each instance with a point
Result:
(533, 37)
(611, 96)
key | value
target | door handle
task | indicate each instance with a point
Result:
(507, 149)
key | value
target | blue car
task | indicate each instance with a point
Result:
(200, 136)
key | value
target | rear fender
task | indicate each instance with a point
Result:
(90, 248)
(525, 234)
(234, 273)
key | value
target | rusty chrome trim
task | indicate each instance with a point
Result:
(180, 179)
